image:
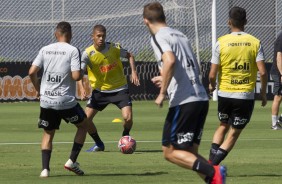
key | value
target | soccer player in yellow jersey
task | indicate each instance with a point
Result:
(108, 82)
(236, 59)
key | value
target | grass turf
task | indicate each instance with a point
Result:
(255, 159)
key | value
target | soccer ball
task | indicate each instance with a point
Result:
(127, 145)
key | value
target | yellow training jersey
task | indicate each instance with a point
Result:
(105, 69)
(238, 68)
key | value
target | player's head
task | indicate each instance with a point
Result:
(63, 32)
(99, 35)
(237, 17)
(153, 14)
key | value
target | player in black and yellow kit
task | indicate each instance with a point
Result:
(236, 59)
(108, 82)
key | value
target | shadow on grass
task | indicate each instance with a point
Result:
(255, 175)
(116, 174)
(148, 151)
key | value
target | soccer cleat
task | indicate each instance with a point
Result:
(74, 167)
(277, 126)
(45, 173)
(96, 147)
(219, 175)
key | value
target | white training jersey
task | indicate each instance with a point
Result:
(185, 85)
(58, 60)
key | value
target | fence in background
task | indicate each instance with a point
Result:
(27, 25)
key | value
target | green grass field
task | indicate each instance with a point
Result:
(256, 158)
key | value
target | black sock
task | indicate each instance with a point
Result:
(46, 156)
(125, 132)
(75, 151)
(204, 168)
(213, 150)
(95, 136)
(220, 155)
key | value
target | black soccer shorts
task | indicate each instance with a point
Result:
(50, 119)
(277, 89)
(100, 100)
(184, 125)
(236, 112)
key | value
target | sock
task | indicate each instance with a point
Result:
(213, 150)
(46, 156)
(125, 132)
(220, 155)
(274, 120)
(75, 151)
(203, 168)
(95, 136)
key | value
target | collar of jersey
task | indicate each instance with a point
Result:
(238, 33)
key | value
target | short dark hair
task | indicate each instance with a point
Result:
(100, 28)
(238, 16)
(64, 27)
(154, 12)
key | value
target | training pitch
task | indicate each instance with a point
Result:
(255, 159)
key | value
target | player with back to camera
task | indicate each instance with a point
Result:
(276, 74)
(61, 67)
(108, 82)
(188, 100)
(236, 59)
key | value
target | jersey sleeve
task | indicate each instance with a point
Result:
(162, 43)
(279, 43)
(260, 56)
(216, 54)
(84, 60)
(123, 53)
(75, 60)
(38, 61)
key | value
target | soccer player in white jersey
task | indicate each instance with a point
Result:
(61, 67)
(236, 59)
(188, 100)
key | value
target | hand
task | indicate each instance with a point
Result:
(83, 94)
(157, 81)
(37, 95)
(263, 99)
(134, 79)
(211, 88)
(159, 100)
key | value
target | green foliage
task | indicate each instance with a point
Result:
(255, 159)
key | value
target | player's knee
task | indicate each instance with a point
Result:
(127, 117)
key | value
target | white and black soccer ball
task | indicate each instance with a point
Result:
(127, 145)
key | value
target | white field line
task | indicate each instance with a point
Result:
(36, 143)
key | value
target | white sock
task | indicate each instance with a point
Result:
(274, 119)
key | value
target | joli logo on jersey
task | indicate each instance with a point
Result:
(244, 66)
(54, 79)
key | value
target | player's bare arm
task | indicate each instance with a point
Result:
(168, 59)
(134, 76)
(212, 77)
(76, 75)
(82, 90)
(279, 62)
(263, 81)
(34, 79)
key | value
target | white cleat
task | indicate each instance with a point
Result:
(74, 167)
(45, 173)
(278, 126)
